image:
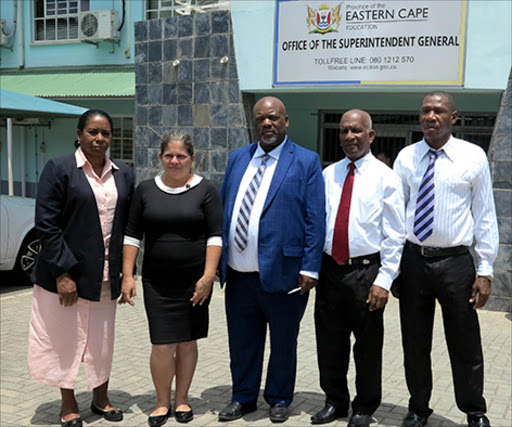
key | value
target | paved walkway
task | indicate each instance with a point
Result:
(24, 403)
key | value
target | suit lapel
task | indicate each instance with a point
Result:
(284, 163)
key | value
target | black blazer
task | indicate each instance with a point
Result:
(68, 225)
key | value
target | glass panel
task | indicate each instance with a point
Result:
(84, 5)
(39, 8)
(73, 28)
(62, 27)
(50, 29)
(39, 29)
(62, 7)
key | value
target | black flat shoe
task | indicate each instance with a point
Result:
(75, 422)
(476, 421)
(158, 420)
(236, 410)
(414, 420)
(112, 415)
(327, 415)
(184, 416)
(278, 413)
(360, 420)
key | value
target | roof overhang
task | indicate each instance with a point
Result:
(72, 83)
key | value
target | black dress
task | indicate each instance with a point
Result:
(176, 225)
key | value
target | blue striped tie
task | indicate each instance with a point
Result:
(242, 222)
(424, 215)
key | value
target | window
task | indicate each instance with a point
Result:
(56, 20)
(395, 131)
(122, 140)
(165, 8)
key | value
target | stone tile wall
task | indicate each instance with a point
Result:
(500, 157)
(201, 95)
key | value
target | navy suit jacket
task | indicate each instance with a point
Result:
(292, 224)
(68, 225)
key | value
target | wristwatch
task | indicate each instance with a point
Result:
(489, 278)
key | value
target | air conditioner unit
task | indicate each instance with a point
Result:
(98, 25)
(3, 37)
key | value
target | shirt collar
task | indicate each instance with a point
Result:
(360, 164)
(81, 161)
(448, 148)
(275, 153)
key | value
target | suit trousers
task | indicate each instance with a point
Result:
(448, 280)
(340, 310)
(249, 309)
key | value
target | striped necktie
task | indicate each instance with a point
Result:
(424, 215)
(242, 222)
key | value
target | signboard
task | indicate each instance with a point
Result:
(362, 42)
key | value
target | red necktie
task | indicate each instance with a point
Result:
(340, 238)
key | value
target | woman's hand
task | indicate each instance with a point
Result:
(203, 288)
(66, 288)
(128, 290)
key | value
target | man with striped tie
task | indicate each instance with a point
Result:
(274, 223)
(449, 204)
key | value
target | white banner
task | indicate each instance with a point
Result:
(361, 42)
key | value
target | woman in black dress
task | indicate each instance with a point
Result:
(179, 214)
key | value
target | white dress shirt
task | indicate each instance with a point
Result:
(464, 202)
(376, 218)
(247, 260)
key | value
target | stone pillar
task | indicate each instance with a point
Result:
(186, 79)
(500, 158)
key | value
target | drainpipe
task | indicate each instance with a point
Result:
(22, 160)
(9, 158)
(21, 47)
(129, 27)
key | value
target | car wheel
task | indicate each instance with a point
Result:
(28, 253)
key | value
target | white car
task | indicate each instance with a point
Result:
(19, 245)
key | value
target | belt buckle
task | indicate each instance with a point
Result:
(422, 252)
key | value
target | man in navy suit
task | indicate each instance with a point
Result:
(274, 224)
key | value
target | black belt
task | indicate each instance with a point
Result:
(434, 252)
(361, 260)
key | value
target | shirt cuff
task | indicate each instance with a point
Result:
(312, 274)
(214, 241)
(383, 281)
(484, 269)
(131, 241)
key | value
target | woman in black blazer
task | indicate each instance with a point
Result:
(81, 208)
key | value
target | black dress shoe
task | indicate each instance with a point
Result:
(414, 420)
(278, 413)
(112, 415)
(184, 416)
(476, 421)
(159, 420)
(75, 422)
(360, 420)
(327, 415)
(236, 410)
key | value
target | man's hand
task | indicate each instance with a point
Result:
(377, 297)
(480, 292)
(128, 290)
(306, 283)
(66, 288)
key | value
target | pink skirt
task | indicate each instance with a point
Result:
(60, 338)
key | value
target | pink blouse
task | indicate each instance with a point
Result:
(105, 193)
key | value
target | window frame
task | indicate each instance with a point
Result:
(121, 138)
(81, 6)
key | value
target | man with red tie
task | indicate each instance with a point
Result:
(365, 233)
